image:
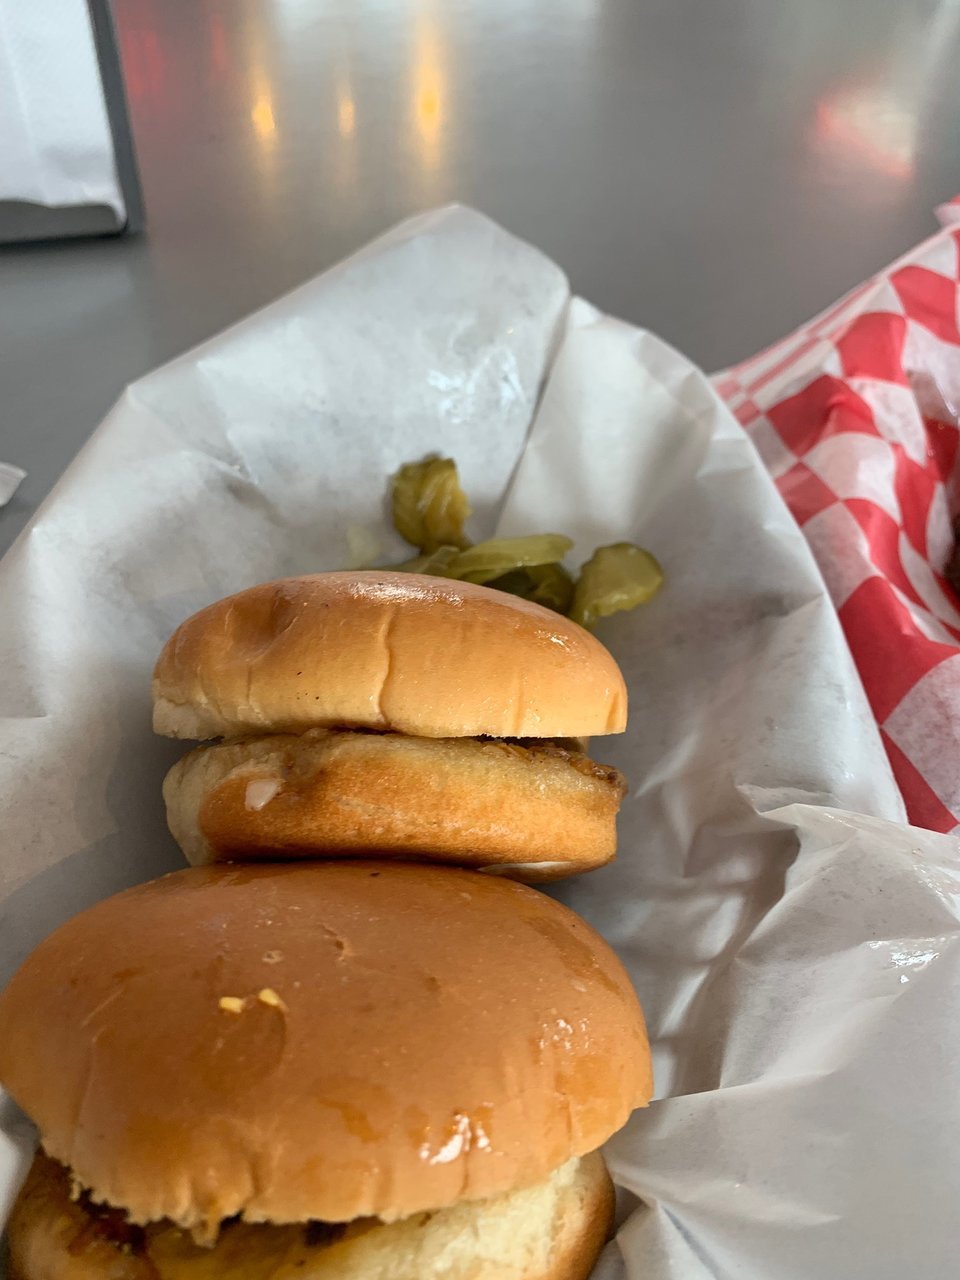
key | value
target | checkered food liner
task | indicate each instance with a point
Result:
(856, 416)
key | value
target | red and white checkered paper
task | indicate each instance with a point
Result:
(857, 417)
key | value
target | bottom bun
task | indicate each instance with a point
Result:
(536, 810)
(552, 1231)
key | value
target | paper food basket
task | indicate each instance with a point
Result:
(793, 940)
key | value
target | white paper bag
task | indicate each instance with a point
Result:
(56, 145)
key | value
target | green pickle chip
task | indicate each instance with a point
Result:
(429, 507)
(437, 563)
(429, 511)
(546, 584)
(553, 587)
(498, 556)
(615, 578)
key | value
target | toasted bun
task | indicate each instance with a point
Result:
(551, 1231)
(326, 1041)
(396, 651)
(327, 793)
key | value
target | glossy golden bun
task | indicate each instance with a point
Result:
(320, 1041)
(540, 810)
(551, 1231)
(416, 655)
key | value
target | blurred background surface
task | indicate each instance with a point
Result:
(717, 172)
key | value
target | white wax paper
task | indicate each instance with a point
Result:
(795, 958)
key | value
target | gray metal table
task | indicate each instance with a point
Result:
(716, 171)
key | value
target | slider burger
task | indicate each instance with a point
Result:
(393, 713)
(360, 1071)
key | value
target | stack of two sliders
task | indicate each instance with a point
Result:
(335, 1049)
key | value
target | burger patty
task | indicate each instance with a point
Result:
(537, 808)
(556, 1227)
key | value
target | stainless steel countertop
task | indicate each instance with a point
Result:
(716, 171)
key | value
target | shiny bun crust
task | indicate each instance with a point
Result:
(320, 1041)
(546, 811)
(551, 1231)
(417, 655)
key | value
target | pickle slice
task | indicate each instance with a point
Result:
(615, 578)
(437, 563)
(498, 556)
(429, 511)
(553, 587)
(429, 507)
(546, 584)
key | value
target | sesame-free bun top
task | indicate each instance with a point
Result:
(324, 1041)
(377, 650)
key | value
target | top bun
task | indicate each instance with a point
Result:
(324, 1041)
(391, 651)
